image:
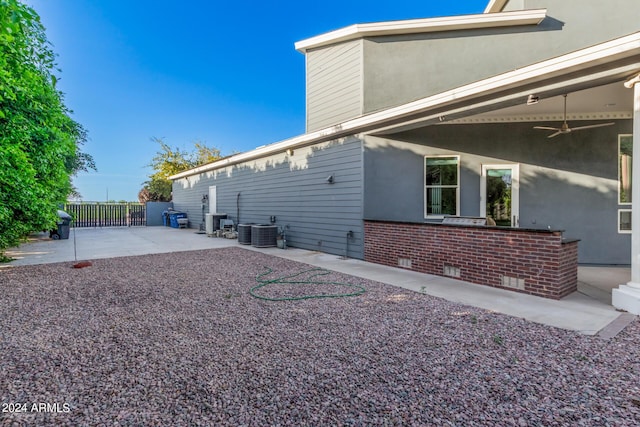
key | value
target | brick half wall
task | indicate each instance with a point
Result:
(536, 262)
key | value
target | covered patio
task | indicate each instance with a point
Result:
(601, 86)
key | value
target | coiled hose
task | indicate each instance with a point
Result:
(291, 280)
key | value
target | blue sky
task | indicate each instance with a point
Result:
(224, 73)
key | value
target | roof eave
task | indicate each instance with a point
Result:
(427, 25)
(462, 99)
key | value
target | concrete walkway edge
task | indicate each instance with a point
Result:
(576, 312)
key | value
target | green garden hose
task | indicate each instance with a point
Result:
(291, 280)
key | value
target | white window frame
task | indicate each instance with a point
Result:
(424, 184)
(620, 136)
(620, 211)
(515, 190)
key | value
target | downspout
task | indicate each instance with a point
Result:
(346, 247)
(238, 208)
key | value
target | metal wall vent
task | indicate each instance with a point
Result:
(244, 233)
(404, 262)
(451, 271)
(513, 283)
(263, 235)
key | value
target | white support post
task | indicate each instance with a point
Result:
(627, 297)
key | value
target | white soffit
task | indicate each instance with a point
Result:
(426, 25)
(464, 98)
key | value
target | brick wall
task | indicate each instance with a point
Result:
(535, 262)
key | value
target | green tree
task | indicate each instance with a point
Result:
(39, 142)
(170, 161)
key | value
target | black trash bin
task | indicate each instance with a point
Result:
(64, 225)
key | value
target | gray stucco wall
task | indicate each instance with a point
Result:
(399, 69)
(569, 182)
(334, 84)
(154, 212)
(294, 189)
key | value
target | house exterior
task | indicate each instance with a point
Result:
(413, 122)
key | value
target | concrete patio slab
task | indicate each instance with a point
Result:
(95, 243)
(578, 312)
(598, 281)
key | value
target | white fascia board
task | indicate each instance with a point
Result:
(426, 25)
(464, 98)
(495, 6)
(262, 151)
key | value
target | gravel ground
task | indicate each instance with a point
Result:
(176, 339)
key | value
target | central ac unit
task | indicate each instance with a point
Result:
(244, 234)
(212, 221)
(263, 235)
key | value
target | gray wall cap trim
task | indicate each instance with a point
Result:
(464, 99)
(492, 227)
(424, 25)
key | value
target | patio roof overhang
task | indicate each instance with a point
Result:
(612, 61)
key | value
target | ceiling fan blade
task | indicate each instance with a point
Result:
(593, 126)
(565, 126)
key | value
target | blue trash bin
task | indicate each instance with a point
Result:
(173, 218)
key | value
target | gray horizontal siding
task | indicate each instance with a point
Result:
(295, 190)
(334, 84)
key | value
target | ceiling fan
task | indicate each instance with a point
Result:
(564, 128)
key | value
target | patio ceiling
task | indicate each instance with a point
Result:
(606, 102)
(594, 93)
